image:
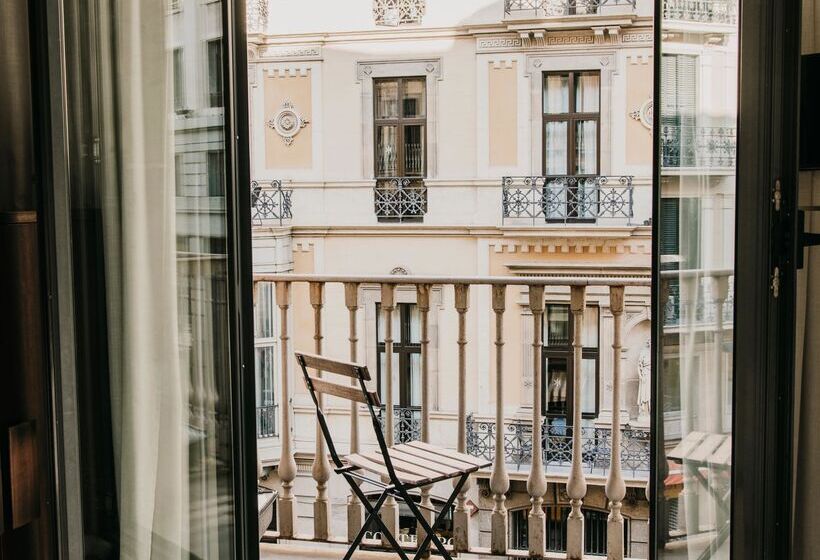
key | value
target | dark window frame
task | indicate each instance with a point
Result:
(220, 180)
(571, 117)
(404, 347)
(213, 60)
(565, 352)
(400, 121)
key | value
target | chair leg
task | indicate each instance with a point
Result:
(373, 514)
(431, 535)
(355, 544)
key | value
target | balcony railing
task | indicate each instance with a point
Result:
(270, 203)
(546, 8)
(698, 146)
(556, 442)
(701, 11)
(266, 421)
(566, 198)
(575, 454)
(406, 423)
(400, 199)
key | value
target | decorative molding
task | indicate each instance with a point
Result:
(644, 114)
(588, 246)
(634, 37)
(294, 52)
(398, 68)
(287, 122)
(393, 13)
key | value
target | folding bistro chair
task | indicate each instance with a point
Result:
(403, 467)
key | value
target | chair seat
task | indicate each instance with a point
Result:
(417, 463)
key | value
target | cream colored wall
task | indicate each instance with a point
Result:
(637, 137)
(294, 87)
(503, 114)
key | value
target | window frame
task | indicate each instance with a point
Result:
(561, 351)
(216, 96)
(403, 346)
(400, 121)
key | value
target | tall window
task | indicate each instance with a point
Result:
(215, 73)
(216, 173)
(400, 114)
(678, 110)
(572, 119)
(179, 80)
(595, 522)
(179, 174)
(265, 350)
(406, 355)
(557, 365)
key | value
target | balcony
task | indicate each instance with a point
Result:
(270, 203)
(266, 421)
(556, 442)
(565, 455)
(704, 147)
(566, 199)
(400, 199)
(721, 12)
(532, 9)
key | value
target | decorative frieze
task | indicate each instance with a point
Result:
(289, 52)
(574, 246)
(539, 38)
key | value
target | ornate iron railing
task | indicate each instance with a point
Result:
(400, 199)
(406, 423)
(266, 421)
(566, 198)
(562, 7)
(398, 12)
(270, 202)
(701, 11)
(557, 445)
(698, 146)
(702, 312)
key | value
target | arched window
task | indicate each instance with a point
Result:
(594, 529)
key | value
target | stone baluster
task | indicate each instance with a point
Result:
(499, 480)
(615, 487)
(355, 511)
(576, 483)
(720, 288)
(287, 462)
(390, 510)
(537, 481)
(321, 466)
(423, 303)
(461, 517)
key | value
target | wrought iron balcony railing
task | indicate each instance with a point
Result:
(698, 146)
(266, 421)
(270, 202)
(701, 11)
(406, 423)
(557, 445)
(546, 8)
(400, 199)
(567, 198)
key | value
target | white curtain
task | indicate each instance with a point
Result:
(148, 395)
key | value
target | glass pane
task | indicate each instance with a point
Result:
(415, 380)
(587, 92)
(151, 280)
(555, 148)
(387, 99)
(586, 147)
(696, 238)
(415, 324)
(588, 385)
(264, 311)
(413, 104)
(387, 151)
(264, 376)
(383, 379)
(396, 324)
(557, 325)
(590, 335)
(556, 93)
(556, 385)
(414, 150)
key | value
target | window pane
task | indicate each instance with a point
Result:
(215, 73)
(216, 173)
(179, 80)
(556, 93)
(555, 148)
(557, 325)
(387, 99)
(587, 92)
(415, 380)
(586, 147)
(588, 385)
(265, 394)
(413, 104)
(414, 150)
(264, 310)
(556, 386)
(590, 335)
(383, 378)
(387, 151)
(396, 324)
(415, 324)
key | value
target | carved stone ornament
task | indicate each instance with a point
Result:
(643, 114)
(287, 122)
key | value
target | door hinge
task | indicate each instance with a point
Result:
(775, 283)
(777, 195)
